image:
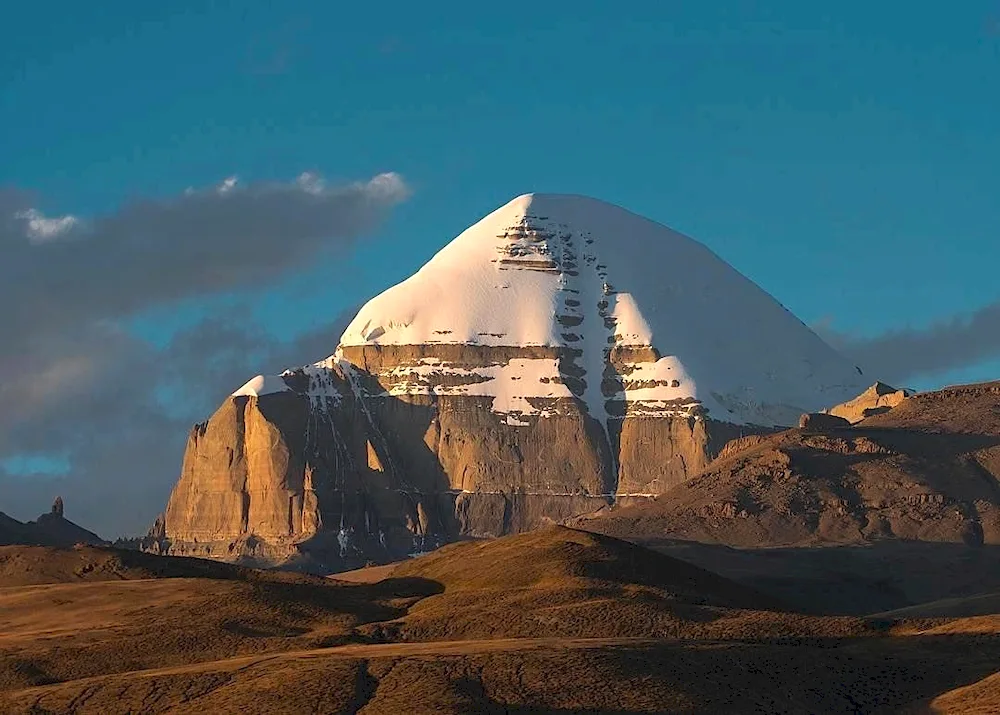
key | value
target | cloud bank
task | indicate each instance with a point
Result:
(77, 384)
(898, 356)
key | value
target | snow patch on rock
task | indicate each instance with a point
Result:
(262, 385)
(513, 386)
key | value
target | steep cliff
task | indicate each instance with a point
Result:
(559, 355)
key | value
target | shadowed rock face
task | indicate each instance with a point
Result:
(821, 420)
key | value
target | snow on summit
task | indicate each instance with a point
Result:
(657, 321)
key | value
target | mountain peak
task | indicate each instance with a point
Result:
(574, 273)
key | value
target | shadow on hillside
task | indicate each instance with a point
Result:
(849, 580)
(335, 596)
(919, 442)
(825, 675)
(821, 675)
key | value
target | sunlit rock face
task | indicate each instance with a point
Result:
(558, 356)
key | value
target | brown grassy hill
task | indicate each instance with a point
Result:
(558, 557)
(86, 612)
(568, 583)
(32, 565)
(979, 698)
(35, 565)
(502, 678)
(556, 621)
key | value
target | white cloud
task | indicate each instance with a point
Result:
(41, 229)
(311, 182)
(227, 184)
(389, 187)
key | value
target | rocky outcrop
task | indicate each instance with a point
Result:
(875, 400)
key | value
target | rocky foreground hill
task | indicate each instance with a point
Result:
(559, 356)
(926, 470)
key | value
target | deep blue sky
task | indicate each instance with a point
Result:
(843, 155)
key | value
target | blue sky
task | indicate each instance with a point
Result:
(843, 155)
(839, 156)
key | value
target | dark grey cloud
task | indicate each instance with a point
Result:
(905, 354)
(125, 431)
(74, 382)
(156, 251)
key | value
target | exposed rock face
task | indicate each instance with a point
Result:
(875, 400)
(559, 356)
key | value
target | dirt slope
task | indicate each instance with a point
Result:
(979, 698)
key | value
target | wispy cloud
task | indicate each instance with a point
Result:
(908, 353)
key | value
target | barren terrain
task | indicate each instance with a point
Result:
(551, 621)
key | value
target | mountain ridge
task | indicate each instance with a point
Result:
(49, 529)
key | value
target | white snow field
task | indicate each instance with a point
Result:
(574, 272)
(678, 330)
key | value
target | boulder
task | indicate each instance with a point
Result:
(875, 400)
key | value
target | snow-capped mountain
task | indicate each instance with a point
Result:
(653, 321)
(560, 354)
